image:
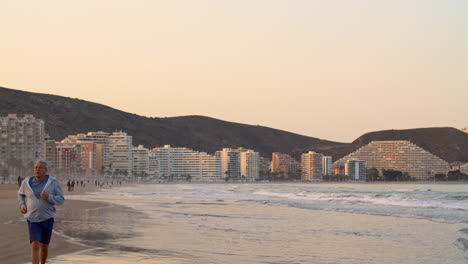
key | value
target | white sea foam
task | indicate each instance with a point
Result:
(387, 200)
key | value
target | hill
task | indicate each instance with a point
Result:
(67, 116)
(448, 143)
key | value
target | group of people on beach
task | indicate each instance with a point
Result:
(71, 184)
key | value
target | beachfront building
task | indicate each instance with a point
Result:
(100, 154)
(89, 154)
(464, 168)
(186, 164)
(140, 156)
(401, 155)
(153, 165)
(230, 162)
(263, 166)
(101, 139)
(284, 165)
(311, 166)
(50, 154)
(249, 163)
(66, 160)
(75, 159)
(454, 166)
(120, 154)
(355, 169)
(22, 141)
(327, 165)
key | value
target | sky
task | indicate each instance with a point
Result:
(331, 69)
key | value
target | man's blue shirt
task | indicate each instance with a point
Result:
(38, 186)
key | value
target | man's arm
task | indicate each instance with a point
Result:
(56, 196)
(22, 199)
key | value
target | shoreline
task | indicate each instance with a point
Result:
(94, 222)
(14, 245)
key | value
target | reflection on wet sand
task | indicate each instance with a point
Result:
(100, 225)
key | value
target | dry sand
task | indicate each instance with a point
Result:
(14, 243)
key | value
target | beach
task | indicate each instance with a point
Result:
(14, 245)
(229, 223)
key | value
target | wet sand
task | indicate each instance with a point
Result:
(125, 230)
(14, 245)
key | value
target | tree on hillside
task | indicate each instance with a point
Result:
(455, 175)
(372, 174)
(392, 175)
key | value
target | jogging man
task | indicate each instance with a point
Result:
(37, 198)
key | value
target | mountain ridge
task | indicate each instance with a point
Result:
(68, 116)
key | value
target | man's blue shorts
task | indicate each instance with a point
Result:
(41, 231)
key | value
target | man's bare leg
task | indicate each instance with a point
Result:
(35, 252)
(44, 252)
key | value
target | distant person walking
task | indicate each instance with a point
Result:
(20, 180)
(37, 198)
(68, 185)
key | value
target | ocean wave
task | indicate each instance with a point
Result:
(377, 199)
(457, 197)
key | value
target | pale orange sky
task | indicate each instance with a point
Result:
(328, 69)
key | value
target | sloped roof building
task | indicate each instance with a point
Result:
(399, 155)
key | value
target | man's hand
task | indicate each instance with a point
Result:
(24, 209)
(44, 196)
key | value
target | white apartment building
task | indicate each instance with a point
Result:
(311, 166)
(327, 165)
(153, 165)
(120, 152)
(22, 141)
(185, 164)
(250, 165)
(140, 161)
(356, 169)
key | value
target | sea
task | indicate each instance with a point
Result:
(271, 223)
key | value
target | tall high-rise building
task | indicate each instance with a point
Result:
(284, 164)
(120, 153)
(401, 155)
(356, 169)
(327, 165)
(264, 166)
(50, 153)
(153, 165)
(311, 166)
(185, 163)
(75, 159)
(22, 141)
(102, 154)
(140, 161)
(67, 161)
(230, 162)
(249, 163)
